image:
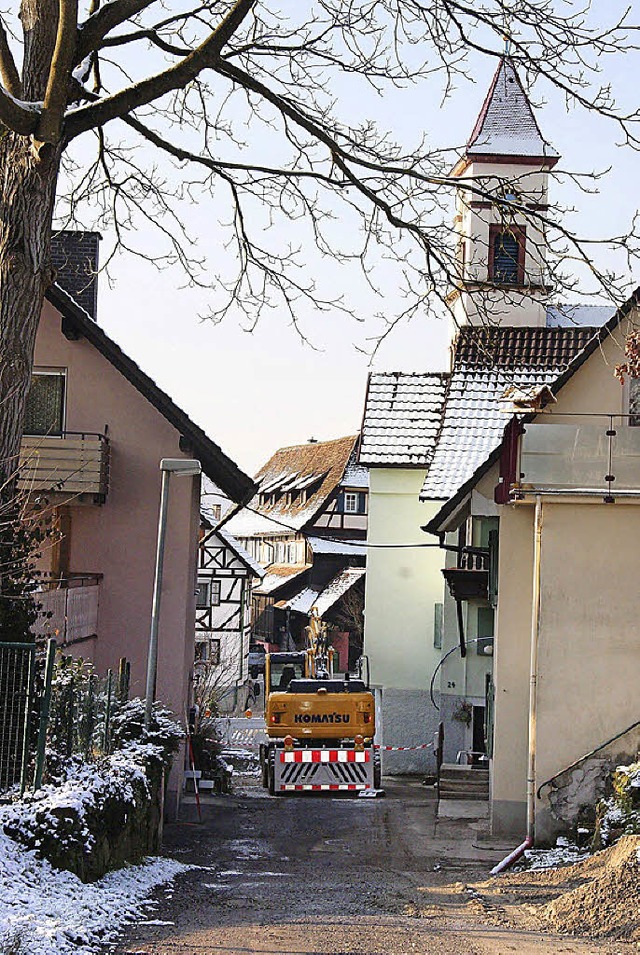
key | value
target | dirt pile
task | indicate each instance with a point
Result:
(606, 903)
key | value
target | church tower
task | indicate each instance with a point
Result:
(501, 252)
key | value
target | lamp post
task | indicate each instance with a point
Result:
(181, 467)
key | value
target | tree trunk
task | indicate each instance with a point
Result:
(27, 193)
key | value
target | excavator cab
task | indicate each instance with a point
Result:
(282, 668)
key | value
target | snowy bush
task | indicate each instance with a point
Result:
(100, 814)
(12, 943)
(128, 727)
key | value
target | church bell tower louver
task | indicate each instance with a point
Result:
(503, 187)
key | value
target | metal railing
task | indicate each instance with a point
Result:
(582, 759)
(73, 462)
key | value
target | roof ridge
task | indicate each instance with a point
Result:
(229, 477)
(313, 444)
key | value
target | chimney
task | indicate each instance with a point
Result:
(74, 257)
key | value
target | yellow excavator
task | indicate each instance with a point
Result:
(320, 727)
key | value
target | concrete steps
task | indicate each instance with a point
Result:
(464, 782)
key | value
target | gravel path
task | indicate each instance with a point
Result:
(302, 875)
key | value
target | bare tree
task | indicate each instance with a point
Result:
(195, 79)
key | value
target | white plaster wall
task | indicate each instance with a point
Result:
(402, 585)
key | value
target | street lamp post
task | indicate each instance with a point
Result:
(181, 467)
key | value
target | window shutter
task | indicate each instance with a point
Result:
(437, 625)
(505, 258)
(493, 568)
(340, 504)
(362, 502)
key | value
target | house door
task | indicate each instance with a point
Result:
(478, 728)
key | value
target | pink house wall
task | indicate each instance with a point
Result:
(118, 539)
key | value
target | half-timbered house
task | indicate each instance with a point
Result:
(223, 617)
(306, 526)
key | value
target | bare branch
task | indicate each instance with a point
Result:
(19, 117)
(55, 98)
(96, 27)
(8, 70)
(153, 88)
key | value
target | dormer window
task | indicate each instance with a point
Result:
(506, 254)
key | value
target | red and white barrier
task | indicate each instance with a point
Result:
(324, 787)
(402, 749)
(325, 756)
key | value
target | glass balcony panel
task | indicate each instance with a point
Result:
(626, 459)
(565, 456)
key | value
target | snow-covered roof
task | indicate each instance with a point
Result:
(246, 524)
(279, 574)
(506, 125)
(325, 597)
(487, 362)
(240, 552)
(343, 548)
(402, 418)
(570, 316)
(355, 475)
(294, 485)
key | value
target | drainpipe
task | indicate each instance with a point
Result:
(533, 698)
(533, 678)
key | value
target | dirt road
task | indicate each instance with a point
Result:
(294, 876)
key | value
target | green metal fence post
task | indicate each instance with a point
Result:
(44, 712)
(27, 722)
(107, 713)
(90, 714)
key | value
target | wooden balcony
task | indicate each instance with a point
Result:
(72, 463)
(470, 579)
(68, 609)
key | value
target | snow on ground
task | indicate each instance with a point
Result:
(54, 913)
(564, 853)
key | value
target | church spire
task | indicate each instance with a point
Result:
(503, 177)
(506, 126)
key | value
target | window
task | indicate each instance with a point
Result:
(634, 402)
(45, 403)
(216, 511)
(203, 593)
(202, 651)
(350, 503)
(207, 594)
(506, 255)
(484, 645)
(207, 651)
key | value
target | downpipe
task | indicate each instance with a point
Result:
(533, 700)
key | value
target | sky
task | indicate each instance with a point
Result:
(255, 392)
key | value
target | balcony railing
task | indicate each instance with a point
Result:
(69, 608)
(71, 463)
(470, 579)
(586, 457)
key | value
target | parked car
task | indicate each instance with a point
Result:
(256, 659)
